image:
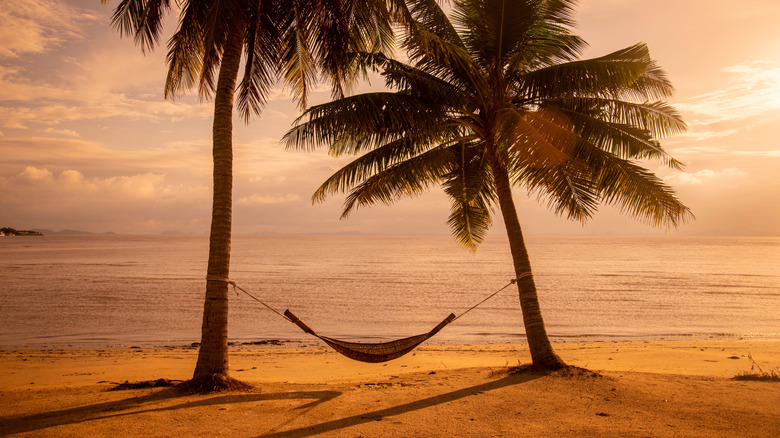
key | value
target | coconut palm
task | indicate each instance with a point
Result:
(496, 98)
(292, 41)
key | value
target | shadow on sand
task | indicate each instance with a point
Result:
(135, 405)
(146, 404)
(377, 415)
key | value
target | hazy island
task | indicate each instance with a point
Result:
(8, 231)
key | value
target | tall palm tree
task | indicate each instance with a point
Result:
(496, 97)
(292, 41)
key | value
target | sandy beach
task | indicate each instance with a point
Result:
(631, 388)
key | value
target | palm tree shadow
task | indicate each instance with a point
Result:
(130, 406)
(329, 426)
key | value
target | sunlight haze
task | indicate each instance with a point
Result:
(88, 142)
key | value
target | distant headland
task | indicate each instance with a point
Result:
(8, 231)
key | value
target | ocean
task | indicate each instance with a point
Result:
(119, 291)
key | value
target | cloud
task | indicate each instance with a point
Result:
(35, 26)
(699, 151)
(63, 132)
(63, 106)
(39, 197)
(265, 180)
(703, 176)
(699, 133)
(754, 92)
(73, 183)
(104, 79)
(33, 175)
(185, 159)
(257, 199)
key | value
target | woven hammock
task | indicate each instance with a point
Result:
(367, 351)
(372, 352)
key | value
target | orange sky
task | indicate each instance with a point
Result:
(87, 141)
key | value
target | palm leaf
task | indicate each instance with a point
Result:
(363, 121)
(369, 164)
(143, 19)
(626, 140)
(185, 57)
(606, 76)
(471, 195)
(638, 192)
(566, 186)
(407, 178)
(262, 49)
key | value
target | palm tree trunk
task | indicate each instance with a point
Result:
(542, 353)
(213, 353)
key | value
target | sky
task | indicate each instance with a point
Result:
(88, 142)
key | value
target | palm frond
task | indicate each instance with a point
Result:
(553, 40)
(469, 187)
(185, 57)
(298, 66)
(369, 164)
(470, 222)
(143, 19)
(262, 48)
(437, 92)
(567, 187)
(610, 76)
(540, 146)
(363, 121)
(407, 178)
(370, 28)
(218, 20)
(427, 14)
(495, 30)
(440, 56)
(659, 118)
(652, 85)
(622, 138)
(639, 193)
(538, 139)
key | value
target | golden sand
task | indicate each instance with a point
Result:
(656, 388)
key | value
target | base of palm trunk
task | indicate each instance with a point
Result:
(564, 371)
(550, 364)
(214, 383)
(548, 361)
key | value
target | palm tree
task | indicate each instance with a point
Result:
(294, 41)
(496, 97)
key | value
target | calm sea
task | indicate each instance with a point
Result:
(90, 291)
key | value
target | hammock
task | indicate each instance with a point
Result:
(367, 351)
(372, 352)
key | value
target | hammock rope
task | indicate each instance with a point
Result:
(372, 352)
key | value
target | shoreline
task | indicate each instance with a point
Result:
(308, 341)
(637, 388)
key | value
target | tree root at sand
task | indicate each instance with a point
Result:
(564, 371)
(159, 383)
(201, 385)
(213, 383)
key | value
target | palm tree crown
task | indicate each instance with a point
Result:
(496, 97)
(297, 41)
